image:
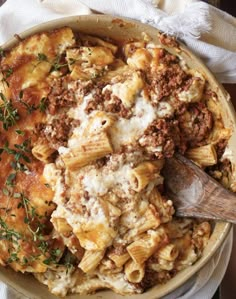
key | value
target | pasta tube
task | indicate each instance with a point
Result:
(150, 219)
(143, 174)
(203, 155)
(119, 259)
(42, 152)
(134, 272)
(90, 260)
(168, 252)
(141, 249)
(97, 146)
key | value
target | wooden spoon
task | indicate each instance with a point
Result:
(196, 194)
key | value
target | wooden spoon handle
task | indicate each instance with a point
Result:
(198, 195)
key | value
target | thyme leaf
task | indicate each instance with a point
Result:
(42, 57)
(8, 113)
(29, 108)
(7, 233)
(42, 104)
(54, 255)
(20, 151)
(19, 132)
(6, 74)
(57, 65)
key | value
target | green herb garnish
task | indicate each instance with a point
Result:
(7, 233)
(42, 57)
(42, 104)
(8, 113)
(29, 108)
(54, 254)
(6, 74)
(19, 132)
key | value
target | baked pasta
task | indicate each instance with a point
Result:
(86, 126)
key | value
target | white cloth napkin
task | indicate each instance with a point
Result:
(207, 31)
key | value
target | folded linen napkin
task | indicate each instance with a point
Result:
(18, 15)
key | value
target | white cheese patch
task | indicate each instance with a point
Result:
(79, 112)
(228, 154)
(54, 178)
(127, 90)
(118, 282)
(60, 281)
(51, 174)
(98, 183)
(63, 150)
(164, 109)
(195, 90)
(126, 131)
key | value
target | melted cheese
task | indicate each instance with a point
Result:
(99, 183)
(127, 90)
(126, 131)
(195, 90)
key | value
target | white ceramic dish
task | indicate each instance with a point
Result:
(121, 29)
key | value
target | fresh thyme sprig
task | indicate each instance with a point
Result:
(56, 64)
(19, 153)
(42, 104)
(19, 156)
(6, 74)
(30, 108)
(7, 233)
(54, 255)
(8, 113)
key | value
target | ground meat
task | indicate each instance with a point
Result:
(168, 41)
(220, 147)
(195, 124)
(149, 280)
(166, 81)
(83, 88)
(152, 278)
(97, 102)
(105, 101)
(116, 106)
(58, 131)
(221, 172)
(102, 162)
(161, 138)
(167, 58)
(60, 96)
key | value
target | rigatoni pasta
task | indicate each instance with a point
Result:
(119, 259)
(90, 260)
(134, 272)
(204, 155)
(143, 174)
(42, 152)
(95, 147)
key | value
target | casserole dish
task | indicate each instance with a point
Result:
(121, 29)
